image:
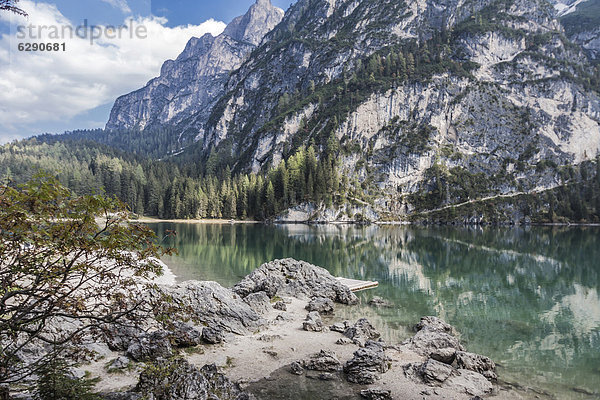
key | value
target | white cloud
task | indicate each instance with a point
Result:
(56, 86)
(120, 4)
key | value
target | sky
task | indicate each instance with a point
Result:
(75, 87)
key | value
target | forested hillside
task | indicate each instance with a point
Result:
(170, 190)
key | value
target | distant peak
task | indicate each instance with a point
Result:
(263, 3)
(256, 23)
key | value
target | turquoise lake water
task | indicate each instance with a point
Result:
(528, 298)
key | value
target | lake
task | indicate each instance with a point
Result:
(526, 297)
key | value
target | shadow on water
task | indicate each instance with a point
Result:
(526, 297)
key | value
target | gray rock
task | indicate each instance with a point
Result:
(118, 338)
(322, 305)
(299, 279)
(376, 394)
(151, 346)
(436, 344)
(259, 302)
(478, 363)
(185, 335)
(434, 324)
(120, 362)
(212, 335)
(435, 372)
(324, 361)
(367, 364)
(340, 327)
(296, 368)
(280, 305)
(93, 352)
(210, 304)
(343, 341)
(179, 380)
(361, 332)
(377, 301)
(313, 322)
(469, 382)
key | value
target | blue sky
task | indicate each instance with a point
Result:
(53, 92)
(181, 12)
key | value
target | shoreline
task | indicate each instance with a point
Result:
(151, 220)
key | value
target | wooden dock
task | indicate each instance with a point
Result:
(356, 285)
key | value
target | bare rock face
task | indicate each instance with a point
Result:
(294, 278)
(192, 83)
(321, 304)
(179, 380)
(367, 364)
(210, 304)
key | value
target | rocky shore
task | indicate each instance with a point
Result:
(274, 334)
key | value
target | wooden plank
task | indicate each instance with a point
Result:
(356, 285)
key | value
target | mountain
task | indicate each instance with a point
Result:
(582, 25)
(419, 106)
(190, 84)
(433, 103)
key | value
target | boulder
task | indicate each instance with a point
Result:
(361, 332)
(322, 305)
(179, 380)
(118, 337)
(151, 346)
(313, 322)
(210, 304)
(212, 335)
(298, 279)
(434, 324)
(366, 365)
(185, 335)
(478, 363)
(469, 382)
(259, 302)
(435, 344)
(340, 327)
(376, 394)
(325, 361)
(280, 305)
(435, 372)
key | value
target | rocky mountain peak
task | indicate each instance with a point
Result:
(256, 23)
(192, 83)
